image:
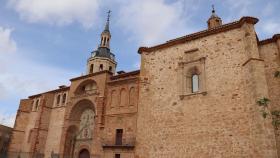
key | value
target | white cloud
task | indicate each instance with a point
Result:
(59, 12)
(21, 77)
(25, 77)
(136, 65)
(7, 119)
(239, 7)
(7, 44)
(271, 27)
(268, 9)
(3, 92)
(152, 21)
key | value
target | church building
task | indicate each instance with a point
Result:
(210, 94)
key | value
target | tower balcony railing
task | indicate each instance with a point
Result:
(128, 143)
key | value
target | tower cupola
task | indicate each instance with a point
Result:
(214, 19)
(102, 58)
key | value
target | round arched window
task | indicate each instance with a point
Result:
(195, 83)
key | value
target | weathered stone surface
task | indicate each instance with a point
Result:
(157, 109)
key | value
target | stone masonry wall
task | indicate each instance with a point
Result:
(55, 128)
(271, 55)
(218, 123)
(18, 134)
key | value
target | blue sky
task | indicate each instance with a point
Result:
(44, 43)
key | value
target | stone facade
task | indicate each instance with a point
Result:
(5, 134)
(158, 112)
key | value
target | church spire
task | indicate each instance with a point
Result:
(105, 35)
(214, 19)
(108, 21)
(102, 58)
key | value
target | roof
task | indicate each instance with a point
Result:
(103, 52)
(91, 74)
(270, 40)
(214, 15)
(127, 74)
(204, 33)
(6, 128)
(51, 91)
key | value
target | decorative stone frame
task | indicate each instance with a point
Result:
(60, 103)
(82, 90)
(187, 70)
(36, 104)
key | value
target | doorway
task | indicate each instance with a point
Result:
(84, 153)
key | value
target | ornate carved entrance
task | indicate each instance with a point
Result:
(84, 153)
(81, 122)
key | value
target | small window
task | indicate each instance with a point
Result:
(110, 68)
(91, 68)
(117, 155)
(119, 135)
(195, 83)
(58, 100)
(105, 40)
(37, 105)
(101, 67)
(64, 98)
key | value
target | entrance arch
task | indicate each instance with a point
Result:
(84, 153)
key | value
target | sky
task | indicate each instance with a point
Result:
(44, 43)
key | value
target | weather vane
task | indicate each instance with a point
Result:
(213, 8)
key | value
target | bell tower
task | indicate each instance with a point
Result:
(102, 58)
(214, 20)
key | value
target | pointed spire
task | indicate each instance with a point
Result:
(106, 35)
(108, 21)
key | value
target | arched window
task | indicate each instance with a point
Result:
(91, 68)
(113, 98)
(105, 40)
(110, 68)
(64, 98)
(58, 99)
(88, 86)
(37, 104)
(101, 67)
(123, 97)
(132, 96)
(195, 83)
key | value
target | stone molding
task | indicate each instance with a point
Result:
(204, 33)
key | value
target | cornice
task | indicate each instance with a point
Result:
(91, 74)
(204, 33)
(132, 73)
(269, 40)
